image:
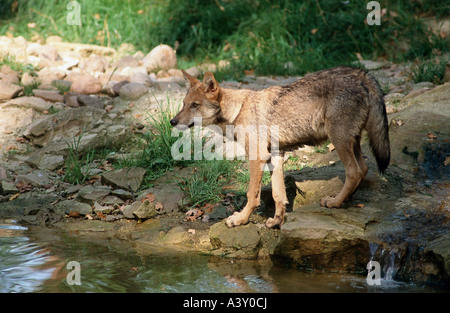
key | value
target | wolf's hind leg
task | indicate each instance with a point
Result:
(353, 174)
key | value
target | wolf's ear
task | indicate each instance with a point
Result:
(210, 84)
(190, 80)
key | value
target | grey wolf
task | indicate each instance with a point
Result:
(335, 104)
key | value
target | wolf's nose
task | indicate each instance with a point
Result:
(174, 122)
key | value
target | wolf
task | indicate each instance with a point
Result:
(335, 104)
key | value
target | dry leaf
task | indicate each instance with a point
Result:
(431, 136)
(330, 147)
(159, 206)
(89, 217)
(14, 196)
(11, 148)
(314, 31)
(101, 215)
(191, 231)
(74, 214)
(359, 205)
(150, 197)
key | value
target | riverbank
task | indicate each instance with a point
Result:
(400, 220)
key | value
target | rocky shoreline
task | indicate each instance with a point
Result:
(400, 219)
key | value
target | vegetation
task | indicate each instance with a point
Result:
(268, 37)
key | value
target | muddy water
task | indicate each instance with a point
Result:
(31, 261)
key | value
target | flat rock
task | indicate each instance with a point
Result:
(240, 242)
(35, 103)
(36, 178)
(129, 178)
(68, 206)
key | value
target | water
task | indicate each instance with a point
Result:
(36, 261)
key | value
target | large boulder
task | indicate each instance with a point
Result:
(162, 57)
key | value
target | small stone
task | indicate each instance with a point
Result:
(133, 91)
(35, 178)
(49, 95)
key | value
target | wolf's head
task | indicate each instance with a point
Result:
(201, 100)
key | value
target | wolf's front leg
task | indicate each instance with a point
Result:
(253, 195)
(278, 192)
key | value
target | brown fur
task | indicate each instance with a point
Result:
(336, 103)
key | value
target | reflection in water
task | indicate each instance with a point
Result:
(30, 263)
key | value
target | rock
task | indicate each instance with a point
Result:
(3, 174)
(312, 238)
(8, 188)
(133, 91)
(49, 95)
(49, 74)
(86, 84)
(28, 79)
(8, 90)
(129, 178)
(169, 195)
(239, 242)
(161, 57)
(440, 247)
(91, 194)
(34, 103)
(123, 194)
(167, 86)
(145, 210)
(95, 63)
(68, 206)
(36, 178)
(194, 71)
(98, 208)
(127, 61)
(90, 100)
(314, 190)
(52, 39)
(141, 78)
(10, 78)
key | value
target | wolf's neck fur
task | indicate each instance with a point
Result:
(231, 102)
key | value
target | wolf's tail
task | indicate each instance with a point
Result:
(377, 127)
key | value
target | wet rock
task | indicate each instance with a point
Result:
(133, 91)
(9, 90)
(239, 242)
(312, 238)
(161, 57)
(129, 178)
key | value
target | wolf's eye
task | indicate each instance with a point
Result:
(195, 104)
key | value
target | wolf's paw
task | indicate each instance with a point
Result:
(236, 219)
(274, 222)
(330, 202)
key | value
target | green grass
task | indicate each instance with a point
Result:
(270, 37)
(208, 180)
(429, 70)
